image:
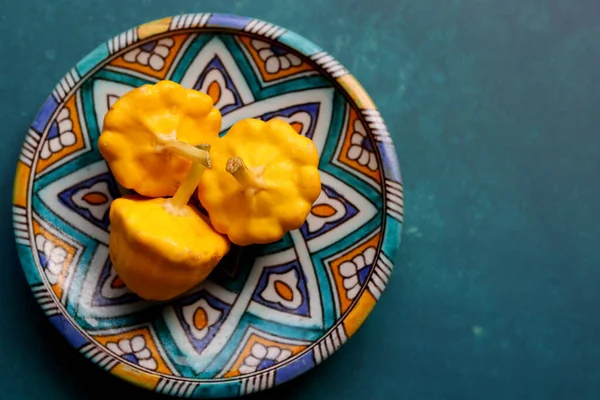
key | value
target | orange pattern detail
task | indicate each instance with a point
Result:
(234, 371)
(154, 27)
(200, 319)
(359, 313)
(267, 76)
(297, 126)
(284, 290)
(178, 40)
(214, 91)
(136, 376)
(71, 105)
(335, 269)
(354, 164)
(95, 198)
(150, 345)
(356, 91)
(117, 283)
(323, 210)
(57, 288)
(20, 184)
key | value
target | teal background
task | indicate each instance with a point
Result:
(494, 108)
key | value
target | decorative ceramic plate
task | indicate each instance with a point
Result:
(267, 313)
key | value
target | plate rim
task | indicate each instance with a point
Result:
(393, 203)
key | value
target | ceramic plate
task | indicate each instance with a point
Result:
(267, 313)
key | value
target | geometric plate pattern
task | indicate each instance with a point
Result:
(267, 313)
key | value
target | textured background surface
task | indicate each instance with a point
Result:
(494, 109)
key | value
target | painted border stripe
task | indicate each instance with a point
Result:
(181, 22)
(175, 388)
(20, 225)
(340, 73)
(271, 379)
(374, 290)
(181, 391)
(378, 281)
(174, 22)
(19, 218)
(190, 389)
(100, 358)
(123, 40)
(393, 191)
(395, 184)
(120, 42)
(381, 275)
(394, 214)
(384, 259)
(395, 207)
(393, 197)
(196, 20)
(93, 352)
(371, 111)
(384, 269)
(381, 132)
(50, 311)
(32, 138)
(25, 160)
(373, 119)
(280, 31)
(21, 234)
(110, 365)
(106, 362)
(28, 146)
(336, 340)
(168, 386)
(204, 21)
(250, 25)
(271, 31)
(19, 210)
(264, 29)
(257, 26)
(38, 288)
(377, 125)
(330, 63)
(45, 300)
(27, 153)
(342, 333)
(317, 354)
(383, 139)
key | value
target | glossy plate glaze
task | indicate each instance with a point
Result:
(268, 313)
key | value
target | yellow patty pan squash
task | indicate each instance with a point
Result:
(263, 182)
(149, 134)
(160, 255)
(161, 248)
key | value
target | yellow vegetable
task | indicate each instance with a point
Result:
(161, 248)
(263, 182)
(149, 133)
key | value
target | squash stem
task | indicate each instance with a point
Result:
(186, 189)
(246, 177)
(197, 154)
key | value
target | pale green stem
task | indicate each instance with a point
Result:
(193, 153)
(190, 183)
